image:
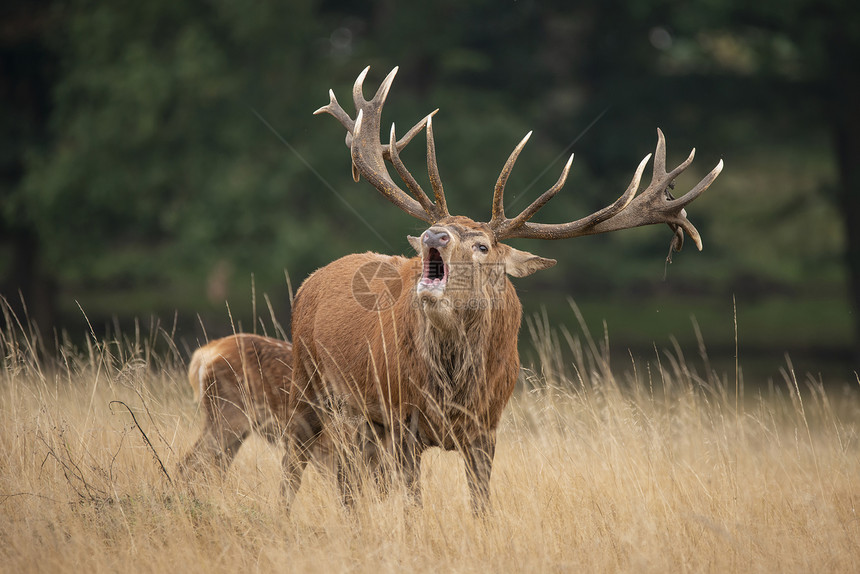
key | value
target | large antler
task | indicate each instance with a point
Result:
(654, 205)
(369, 154)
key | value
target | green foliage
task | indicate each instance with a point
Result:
(160, 167)
(164, 180)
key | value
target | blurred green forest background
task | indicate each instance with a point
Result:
(160, 158)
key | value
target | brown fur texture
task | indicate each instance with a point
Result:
(436, 364)
(435, 368)
(243, 383)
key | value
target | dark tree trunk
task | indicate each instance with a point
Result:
(845, 91)
(28, 70)
(848, 150)
(30, 293)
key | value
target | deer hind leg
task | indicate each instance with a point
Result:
(412, 477)
(379, 455)
(374, 444)
(353, 451)
(353, 455)
(302, 433)
(226, 428)
(348, 478)
(212, 450)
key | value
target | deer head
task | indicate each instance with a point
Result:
(458, 251)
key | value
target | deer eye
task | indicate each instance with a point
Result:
(482, 248)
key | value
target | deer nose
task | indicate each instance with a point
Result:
(436, 237)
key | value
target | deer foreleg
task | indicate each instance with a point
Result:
(479, 465)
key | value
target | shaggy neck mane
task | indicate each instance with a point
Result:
(455, 357)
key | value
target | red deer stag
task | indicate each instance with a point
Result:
(434, 360)
(243, 383)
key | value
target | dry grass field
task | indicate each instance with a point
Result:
(665, 468)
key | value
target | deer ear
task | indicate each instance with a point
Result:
(415, 242)
(522, 263)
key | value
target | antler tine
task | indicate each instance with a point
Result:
(660, 161)
(660, 156)
(497, 216)
(384, 87)
(529, 212)
(401, 143)
(700, 188)
(622, 202)
(357, 88)
(433, 171)
(333, 108)
(407, 177)
(356, 175)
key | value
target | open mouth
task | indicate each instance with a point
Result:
(435, 274)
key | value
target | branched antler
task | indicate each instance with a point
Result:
(369, 154)
(654, 205)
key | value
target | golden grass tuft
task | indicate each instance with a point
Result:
(658, 470)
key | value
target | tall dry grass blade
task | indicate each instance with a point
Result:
(737, 354)
(146, 440)
(279, 329)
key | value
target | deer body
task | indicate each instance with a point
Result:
(433, 371)
(243, 383)
(404, 356)
(436, 364)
